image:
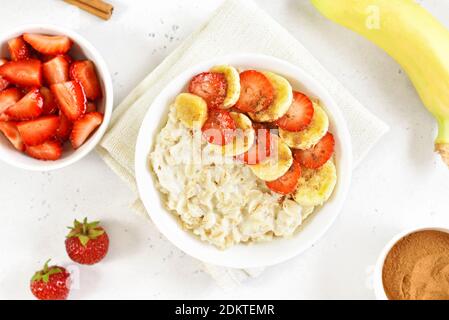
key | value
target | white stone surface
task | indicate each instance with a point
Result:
(401, 184)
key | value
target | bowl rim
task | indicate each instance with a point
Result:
(103, 72)
(216, 257)
(379, 289)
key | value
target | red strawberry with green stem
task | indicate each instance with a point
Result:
(87, 242)
(51, 283)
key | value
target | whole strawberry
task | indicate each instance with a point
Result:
(87, 242)
(51, 283)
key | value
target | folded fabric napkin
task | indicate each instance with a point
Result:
(237, 26)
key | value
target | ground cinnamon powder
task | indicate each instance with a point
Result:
(417, 267)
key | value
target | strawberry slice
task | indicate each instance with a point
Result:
(64, 129)
(261, 148)
(52, 45)
(38, 131)
(26, 73)
(219, 127)
(56, 70)
(3, 82)
(18, 49)
(84, 72)
(91, 107)
(288, 182)
(299, 115)
(8, 98)
(70, 98)
(210, 86)
(49, 150)
(29, 107)
(318, 155)
(9, 129)
(50, 106)
(256, 92)
(83, 127)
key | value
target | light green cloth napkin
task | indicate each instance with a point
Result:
(237, 26)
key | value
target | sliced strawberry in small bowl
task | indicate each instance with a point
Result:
(84, 72)
(25, 73)
(50, 106)
(49, 150)
(28, 107)
(8, 98)
(10, 131)
(41, 97)
(47, 44)
(84, 127)
(18, 49)
(34, 132)
(71, 99)
(56, 70)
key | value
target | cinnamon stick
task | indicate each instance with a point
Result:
(98, 8)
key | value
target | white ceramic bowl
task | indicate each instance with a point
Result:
(377, 281)
(82, 49)
(242, 256)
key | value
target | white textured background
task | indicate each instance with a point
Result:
(401, 184)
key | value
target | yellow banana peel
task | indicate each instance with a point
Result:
(414, 38)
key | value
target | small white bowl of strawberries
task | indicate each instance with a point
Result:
(55, 97)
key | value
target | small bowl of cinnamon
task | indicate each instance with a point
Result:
(414, 265)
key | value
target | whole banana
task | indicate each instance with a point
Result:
(414, 38)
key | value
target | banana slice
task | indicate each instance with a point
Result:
(191, 110)
(310, 136)
(233, 80)
(277, 164)
(316, 186)
(283, 97)
(244, 139)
